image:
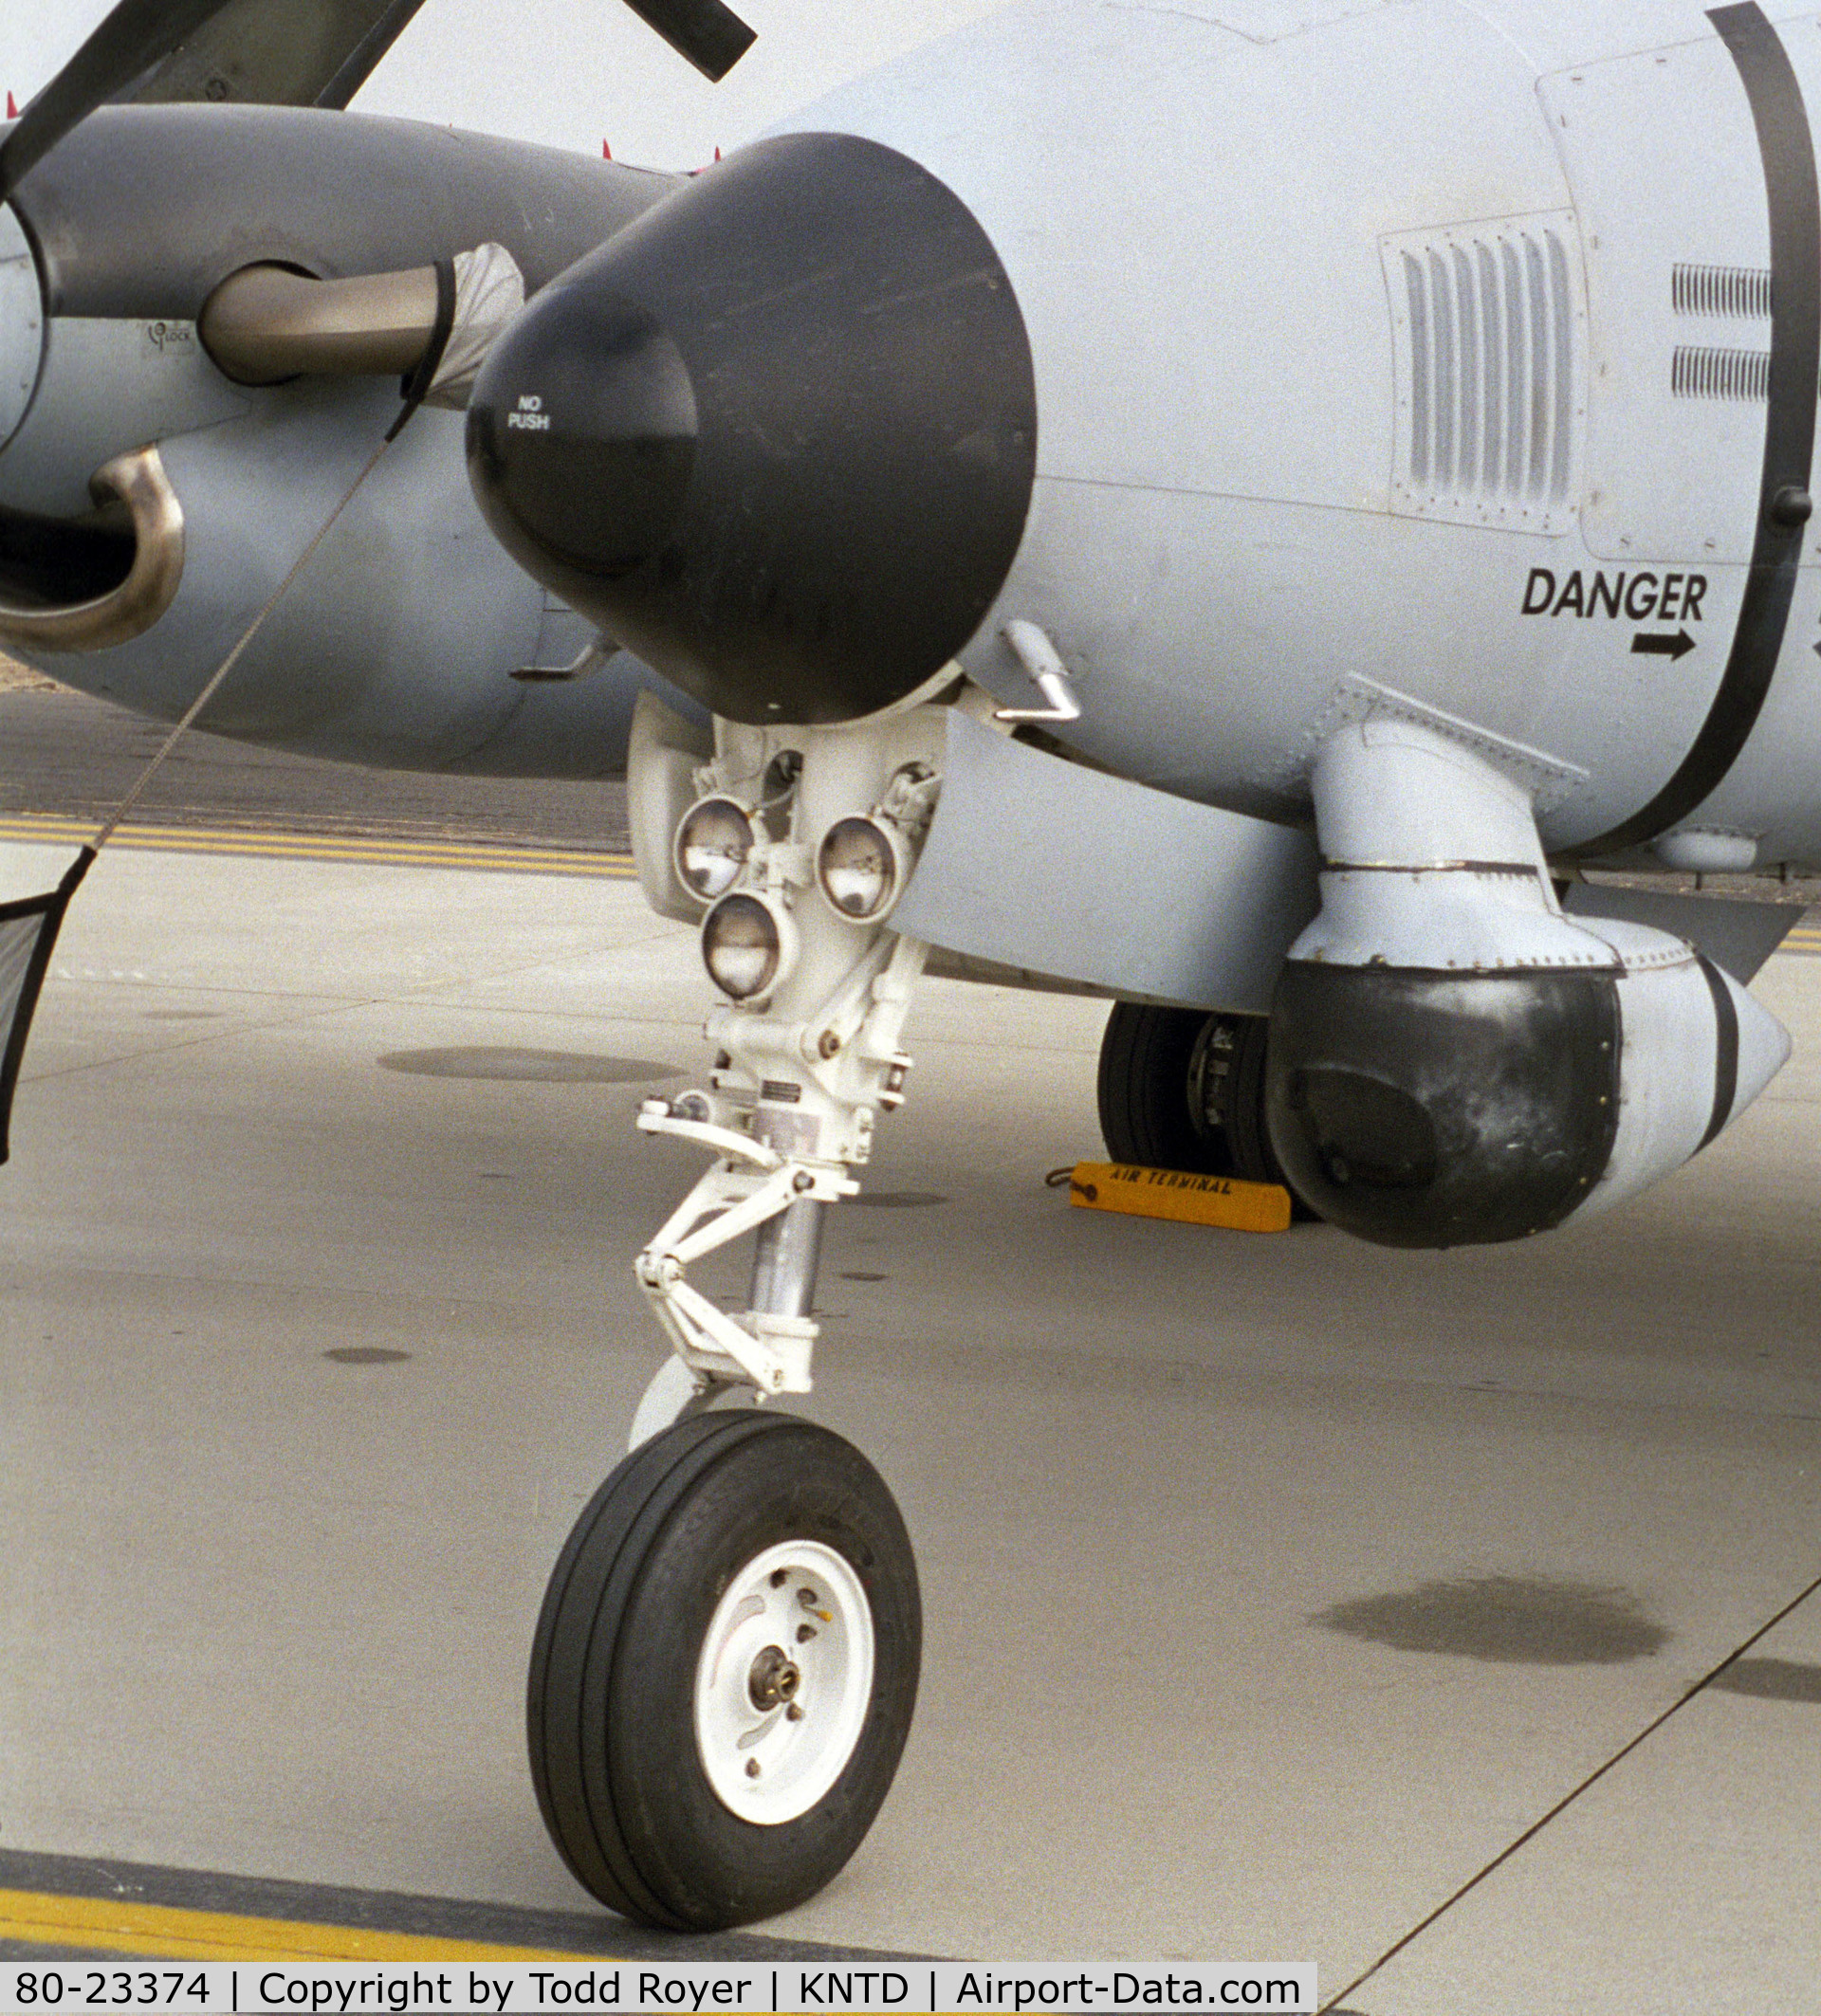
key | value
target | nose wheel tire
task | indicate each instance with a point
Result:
(725, 1671)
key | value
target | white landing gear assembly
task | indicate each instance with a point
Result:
(727, 1660)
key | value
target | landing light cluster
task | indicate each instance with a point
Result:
(726, 857)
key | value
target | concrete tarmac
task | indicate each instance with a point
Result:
(72, 755)
(1274, 1587)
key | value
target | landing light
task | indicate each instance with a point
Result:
(860, 867)
(712, 845)
(748, 945)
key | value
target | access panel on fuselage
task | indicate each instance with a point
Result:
(1669, 176)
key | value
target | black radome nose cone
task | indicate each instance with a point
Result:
(777, 436)
(598, 497)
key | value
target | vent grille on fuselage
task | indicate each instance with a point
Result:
(1697, 373)
(1722, 292)
(1492, 359)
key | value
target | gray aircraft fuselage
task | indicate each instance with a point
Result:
(1453, 362)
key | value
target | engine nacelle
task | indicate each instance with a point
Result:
(150, 504)
(1453, 1061)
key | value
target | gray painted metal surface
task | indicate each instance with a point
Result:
(1232, 519)
(396, 644)
(1036, 863)
(1737, 937)
(22, 325)
(160, 383)
(144, 209)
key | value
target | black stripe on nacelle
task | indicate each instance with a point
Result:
(1787, 144)
(1725, 1049)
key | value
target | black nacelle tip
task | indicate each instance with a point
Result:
(777, 436)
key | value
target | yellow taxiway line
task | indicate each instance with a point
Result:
(115, 1925)
(373, 851)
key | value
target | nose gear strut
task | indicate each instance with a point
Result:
(734, 1626)
(799, 1076)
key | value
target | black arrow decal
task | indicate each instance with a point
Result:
(1660, 644)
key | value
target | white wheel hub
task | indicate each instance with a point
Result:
(783, 1681)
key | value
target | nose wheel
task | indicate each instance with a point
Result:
(725, 1671)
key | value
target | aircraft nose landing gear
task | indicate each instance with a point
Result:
(726, 1661)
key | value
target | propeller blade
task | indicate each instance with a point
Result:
(139, 36)
(133, 37)
(712, 36)
(279, 52)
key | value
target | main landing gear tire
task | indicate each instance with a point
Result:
(1181, 1088)
(725, 1671)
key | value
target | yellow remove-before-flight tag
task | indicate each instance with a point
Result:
(1181, 1196)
